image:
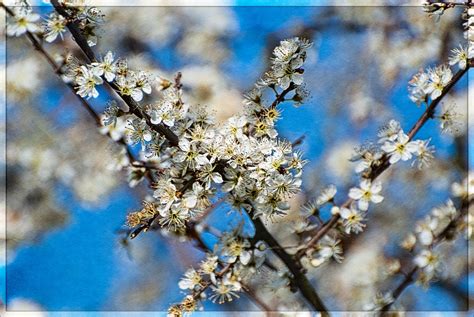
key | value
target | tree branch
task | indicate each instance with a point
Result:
(132, 104)
(376, 172)
(299, 278)
(191, 232)
(409, 278)
(57, 70)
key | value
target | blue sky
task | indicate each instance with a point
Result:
(75, 267)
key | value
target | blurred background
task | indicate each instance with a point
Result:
(66, 203)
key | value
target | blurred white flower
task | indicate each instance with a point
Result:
(25, 308)
(23, 21)
(425, 230)
(464, 189)
(326, 195)
(450, 119)
(428, 261)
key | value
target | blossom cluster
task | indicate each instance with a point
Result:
(242, 158)
(222, 274)
(429, 83)
(287, 63)
(244, 161)
(396, 145)
(129, 83)
(443, 223)
(393, 146)
(430, 231)
(25, 20)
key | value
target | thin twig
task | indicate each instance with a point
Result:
(279, 98)
(208, 210)
(376, 172)
(409, 278)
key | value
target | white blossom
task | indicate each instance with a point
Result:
(400, 149)
(389, 132)
(366, 158)
(87, 80)
(459, 56)
(424, 153)
(106, 68)
(190, 280)
(352, 219)
(111, 114)
(174, 218)
(327, 248)
(138, 132)
(418, 87)
(55, 25)
(224, 291)
(142, 85)
(439, 78)
(366, 193)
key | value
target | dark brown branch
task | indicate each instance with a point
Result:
(279, 98)
(132, 104)
(299, 278)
